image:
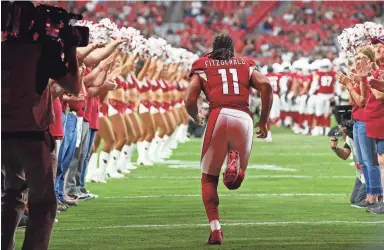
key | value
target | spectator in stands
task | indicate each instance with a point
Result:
(268, 25)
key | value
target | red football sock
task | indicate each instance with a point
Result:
(290, 114)
(295, 117)
(283, 115)
(301, 119)
(210, 196)
(310, 120)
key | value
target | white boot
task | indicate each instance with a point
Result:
(122, 161)
(180, 134)
(103, 162)
(185, 133)
(152, 150)
(173, 142)
(157, 151)
(129, 164)
(112, 163)
(166, 152)
(92, 169)
(143, 154)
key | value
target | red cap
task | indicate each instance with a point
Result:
(377, 40)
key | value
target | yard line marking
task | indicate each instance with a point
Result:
(264, 154)
(238, 224)
(221, 195)
(248, 177)
(196, 165)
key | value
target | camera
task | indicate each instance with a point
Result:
(344, 115)
(23, 21)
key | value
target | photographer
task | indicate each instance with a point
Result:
(359, 189)
(28, 61)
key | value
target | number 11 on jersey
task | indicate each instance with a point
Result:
(235, 80)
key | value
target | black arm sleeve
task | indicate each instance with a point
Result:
(346, 146)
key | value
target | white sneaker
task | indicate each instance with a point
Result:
(296, 128)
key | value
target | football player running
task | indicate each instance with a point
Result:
(226, 81)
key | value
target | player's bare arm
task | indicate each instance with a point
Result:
(263, 85)
(192, 95)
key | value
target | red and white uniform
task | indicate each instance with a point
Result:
(155, 105)
(226, 84)
(325, 92)
(274, 78)
(117, 106)
(305, 83)
(131, 86)
(164, 85)
(143, 87)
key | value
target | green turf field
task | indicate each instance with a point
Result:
(295, 196)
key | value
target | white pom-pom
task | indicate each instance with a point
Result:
(107, 23)
(374, 29)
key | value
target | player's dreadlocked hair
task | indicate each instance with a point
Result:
(223, 48)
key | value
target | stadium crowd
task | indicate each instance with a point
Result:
(131, 89)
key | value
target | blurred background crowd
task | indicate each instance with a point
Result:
(273, 31)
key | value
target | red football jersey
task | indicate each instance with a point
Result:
(305, 83)
(327, 82)
(226, 83)
(274, 78)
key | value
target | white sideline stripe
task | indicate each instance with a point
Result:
(267, 223)
(263, 154)
(221, 195)
(248, 177)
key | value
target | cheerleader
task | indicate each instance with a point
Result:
(147, 123)
(124, 164)
(116, 111)
(105, 131)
